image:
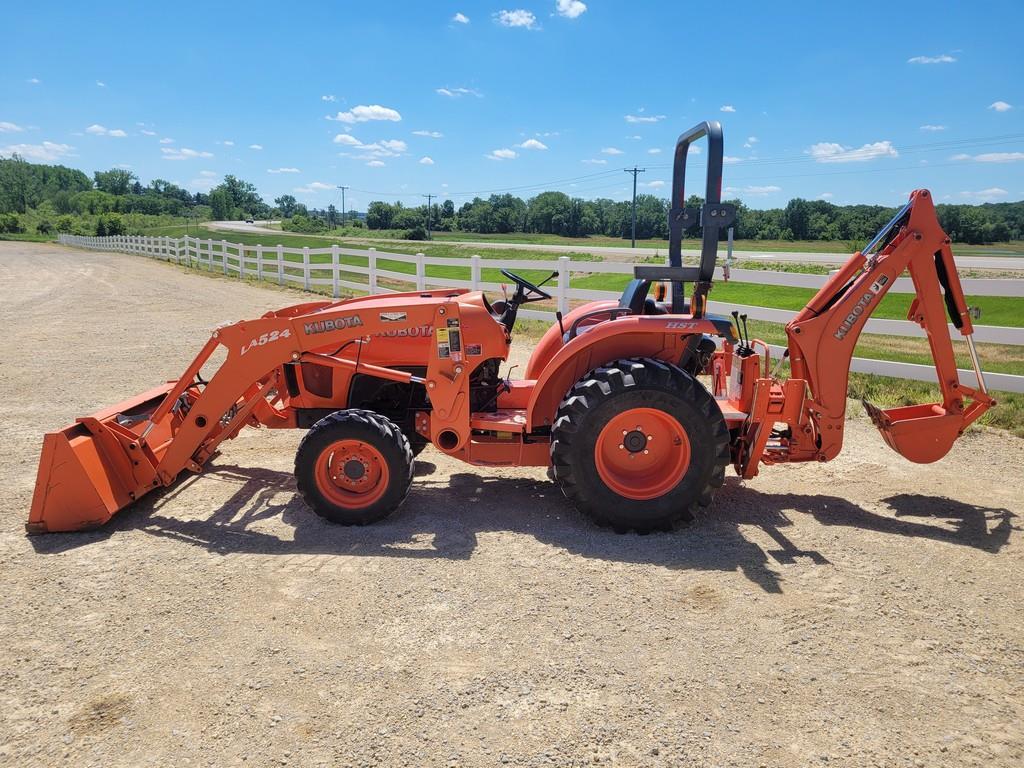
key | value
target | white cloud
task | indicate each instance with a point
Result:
(727, 108)
(426, 161)
(170, 153)
(570, 9)
(611, 151)
(993, 157)
(48, 151)
(227, 143)
(933, 127)
(654, 151)
(455, 93)
(428, 134)
(532, 144)
(992, 193)
(348, 140)
(329, 97)
(365, 113)
(166, 140)
(595, 161)
(99, 130)
(6, 127)
(830, 152)
(825, 195)
(516, 18)
(502, 154)
(316, 186)
(101, 84)
(255, 146)
(146, 132)
(644, 118)
(394, 145)
(943, 58)
(730, 160)
(754, 191)
(34, 81)
(653, 184)
(751, 141)
(283, 170)
(695, 149)
(204, 183)
(1000, 106)
(376, 164)
(460, 18)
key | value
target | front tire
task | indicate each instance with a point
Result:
(354, 467)
(638, 445)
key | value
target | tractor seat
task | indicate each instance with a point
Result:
(633, 301)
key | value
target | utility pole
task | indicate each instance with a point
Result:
(342, 205)
(634, 170)
(429, 198)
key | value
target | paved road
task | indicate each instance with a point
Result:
(629, 254)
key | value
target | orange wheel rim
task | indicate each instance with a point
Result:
(351, 474)
(642, 453)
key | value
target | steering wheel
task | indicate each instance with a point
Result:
(525, 285)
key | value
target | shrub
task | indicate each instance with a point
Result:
(65, 223)
(10, 222)
(44, 227)
(300, 223)
(416, 233)
(110, 224)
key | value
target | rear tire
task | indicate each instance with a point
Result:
(354, 467)
(638, 445)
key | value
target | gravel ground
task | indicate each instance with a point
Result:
(863, 612)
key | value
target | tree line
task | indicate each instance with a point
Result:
(47, 198)
(557, 213)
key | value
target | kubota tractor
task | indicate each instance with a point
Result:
(636, 406)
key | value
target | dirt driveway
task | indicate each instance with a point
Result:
(863, 612)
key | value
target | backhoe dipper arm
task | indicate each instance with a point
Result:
(822, 337)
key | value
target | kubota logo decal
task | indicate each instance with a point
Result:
(337, 324)
(860, 307)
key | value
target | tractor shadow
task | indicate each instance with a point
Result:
(442, 518)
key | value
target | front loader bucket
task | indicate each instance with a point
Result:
(919, 433)
(97, 466)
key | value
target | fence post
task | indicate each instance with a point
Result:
(474, 272)
(259, 262)
(334, 269)
(241, 261)
(209, 254)
(280, 264)
(563, 284)
(421, 273)
(371, 265)
(224, 256)
(305, 267)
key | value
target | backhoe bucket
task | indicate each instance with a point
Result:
(97, 466)
(919, 433)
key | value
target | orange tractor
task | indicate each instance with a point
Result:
(636, 406)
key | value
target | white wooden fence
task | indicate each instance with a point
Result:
(323, 268)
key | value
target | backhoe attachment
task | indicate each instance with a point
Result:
(823, 335)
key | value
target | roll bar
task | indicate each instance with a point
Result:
(714, 216)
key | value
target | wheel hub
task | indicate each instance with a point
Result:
(635, 441)
(354, 469)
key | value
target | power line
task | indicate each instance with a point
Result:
(634, 170)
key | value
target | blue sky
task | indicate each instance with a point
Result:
(855, 104)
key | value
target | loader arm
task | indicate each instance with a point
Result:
(822, 337)
(106, 461)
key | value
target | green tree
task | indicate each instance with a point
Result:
(220, 202)
(116, 181)
(286, 204)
